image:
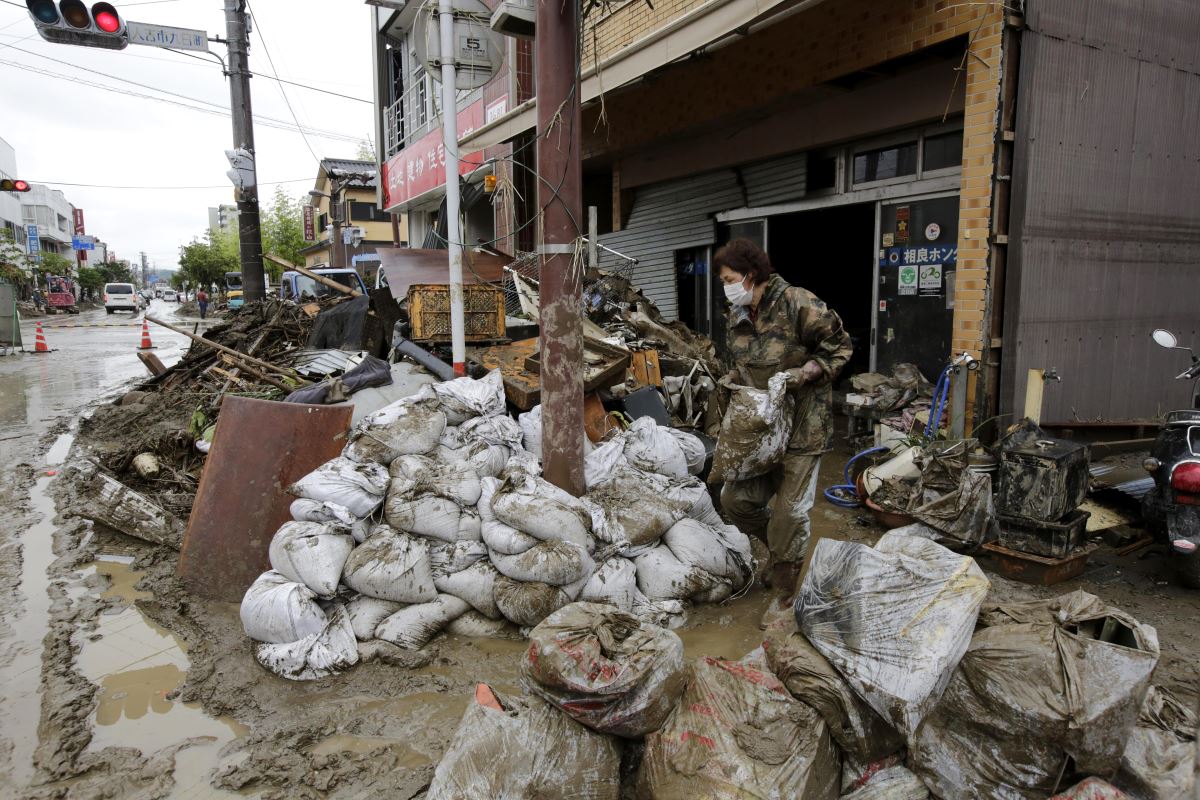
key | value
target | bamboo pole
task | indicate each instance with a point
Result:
(321, 279)
(287, 373)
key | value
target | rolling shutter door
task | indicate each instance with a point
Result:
(779, 180)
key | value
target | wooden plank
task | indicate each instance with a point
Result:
(522, 387)
(645, 368)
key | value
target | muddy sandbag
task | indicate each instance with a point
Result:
(305, 510)
(653, 448)
(421, 474)
(464, 398)
(519, 748)
(357, 487)
(890, 783)
(412, 627)
(446, 558)
(331, 650)
(736, 734)
(539, 508)
(754, 432)
(476, 585)
(494, 430)
(391, 565)
(894, 619)
(856, 727)
(1160, 757)
(474, 625)
(367, 612)
(528, 603)
(278, 609)
(693, 450)
(1043, 683)
(634, 507)
(605, 668)
(602, 463)
(723, 551)
(614, 582)
(409, 426)
(555, 563)
(312, 553)
(662, 576)
(430, 515)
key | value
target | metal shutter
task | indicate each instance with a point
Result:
(776, 181)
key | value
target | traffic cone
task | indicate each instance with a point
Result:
(146, 343)
(40, 345)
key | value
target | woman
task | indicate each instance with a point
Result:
(775, 327)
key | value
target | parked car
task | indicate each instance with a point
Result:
(122, 297)
(169, 295)
(297, 287)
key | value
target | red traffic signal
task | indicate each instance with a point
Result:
(73, 22)
(13, 185)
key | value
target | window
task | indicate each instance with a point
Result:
(322, 224)
(753, 229)
(367, 212)
(62, 222)
(27, 214)
(822, 172)
(885, 163)
(943, 151)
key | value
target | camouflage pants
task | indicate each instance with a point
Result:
(777, 505)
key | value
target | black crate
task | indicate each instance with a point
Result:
(1051, 539)
(1043, 480)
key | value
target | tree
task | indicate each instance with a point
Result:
(54, 264)
(283, 231)
(204, 263)
(92, 279)
(366, 151)
(15, 266)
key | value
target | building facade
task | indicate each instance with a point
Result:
(223, 218)
(11, 219)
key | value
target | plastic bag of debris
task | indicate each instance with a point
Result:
(605, 668)
(476, 585)
(355, 486)
(1092, 789)
(411, 426)
(634, 507)
(327, 652)
(856, 727)
(391, 565)
(614, 582)
(736, 734)
(754, 433)
(312, 553)
(277, 609)
(539, 508)
(1160, 757)
(464, 398)
(413, 627)
(890, 783)
(305, 510)
(515, 748)
(1044, 684)
(894, 619)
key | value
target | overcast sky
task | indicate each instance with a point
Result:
(65, 131)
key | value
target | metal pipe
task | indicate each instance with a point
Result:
(454, 238)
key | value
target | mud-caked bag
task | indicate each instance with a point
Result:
(754, 432)
(312, 553)
(391, 565)
(357, 487)
(278, 609)
(331, 650)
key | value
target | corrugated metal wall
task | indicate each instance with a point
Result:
(775, 181)
(1105, 233)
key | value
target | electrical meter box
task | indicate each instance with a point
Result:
(1042, 481)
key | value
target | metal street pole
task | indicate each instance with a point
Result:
(254, 282)
(454, 238)
(335, 240)
(561, 203)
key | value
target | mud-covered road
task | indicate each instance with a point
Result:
(116, 683)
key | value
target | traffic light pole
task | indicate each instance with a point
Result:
(254, 285)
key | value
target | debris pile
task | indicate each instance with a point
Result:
(436, 517)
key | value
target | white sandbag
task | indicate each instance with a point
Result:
(412, 627)
(600, 464)
(505, 540)
(701, 507)
(277, 609)
(358, 487)
(651, 447)
(693, 450)
(446, 558)
(327, 652)
(312, 553)
(391, 565)
(367, 612)
(464, 398)
(529, 603)
(669, 614)
(634, 507)
(498, 430)
(662, 576)
(555, 563)
(754, 432)
(521, 462)
(433, 516)
(412, 425)
(531, 433)
(894, 619)
(614, 582)
(421, 474)
(488, 459)
(539, 508)
(723, 551)
(721, 591)
(476, 626)
(305, 510)
(475, 584)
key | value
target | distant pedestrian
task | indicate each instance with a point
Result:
(202, 301)
(38, 300)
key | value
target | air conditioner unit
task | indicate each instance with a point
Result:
(515, 18)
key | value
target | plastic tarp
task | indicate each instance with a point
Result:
(605, 668)
(894, 619)
(1043, 684)
(1159, 760)
(511, 748)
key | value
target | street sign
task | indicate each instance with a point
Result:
(77, 214)
(478, 50)
(164, 36)
(34, 246)
(83, 243)
(310, 229)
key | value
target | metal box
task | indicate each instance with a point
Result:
(1051, 539)
(429, 312)
(1042, 481)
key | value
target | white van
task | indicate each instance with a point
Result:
(121, 297)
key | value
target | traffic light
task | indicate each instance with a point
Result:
(72, 22)
(14, 185)
(242, 174)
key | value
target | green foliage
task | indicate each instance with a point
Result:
(54, 264)
(203, 263)
(14, 264)
(282, 231)
(366, 151)
(116, 272)
(92, 278)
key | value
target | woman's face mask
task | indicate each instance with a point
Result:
(737, 293)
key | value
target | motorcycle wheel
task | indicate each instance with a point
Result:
(1189, 571)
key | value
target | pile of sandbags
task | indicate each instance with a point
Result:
(436, 518)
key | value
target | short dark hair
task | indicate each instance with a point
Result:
(745, 258)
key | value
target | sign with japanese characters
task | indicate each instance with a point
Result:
(916, 256)
(929, 284)
(165, 36)
(310, 228)
(907, 280)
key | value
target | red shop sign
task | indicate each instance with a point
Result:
(421, 167)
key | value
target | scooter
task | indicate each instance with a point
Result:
(1174, 502)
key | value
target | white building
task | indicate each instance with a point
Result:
(10, 204)
(223, 218)
(53, 214)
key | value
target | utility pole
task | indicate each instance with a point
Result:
(561, 200)
(454, 237)
(254, 282)
(145, 268)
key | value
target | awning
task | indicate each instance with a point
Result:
(404, 266)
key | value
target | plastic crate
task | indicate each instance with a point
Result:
(1051, 539)
(429, 312)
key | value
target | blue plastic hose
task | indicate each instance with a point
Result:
(837, 494)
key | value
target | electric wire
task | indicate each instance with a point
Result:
(309, 87)
(162, 188)
(282, 91)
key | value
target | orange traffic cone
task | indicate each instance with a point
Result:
(146, 343)
(40, 341)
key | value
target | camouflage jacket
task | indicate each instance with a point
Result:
(792, 327)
